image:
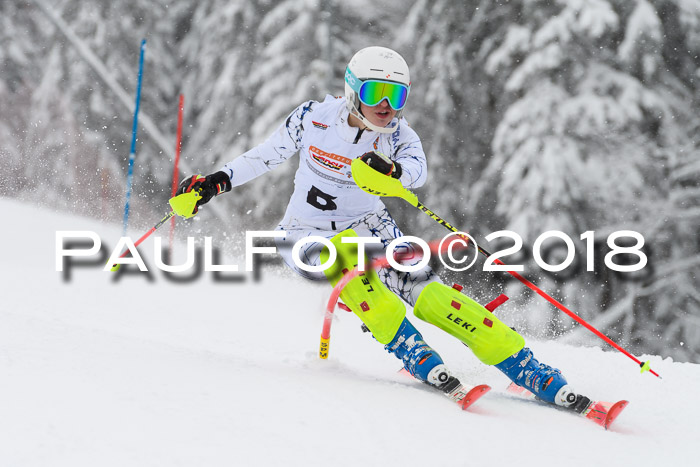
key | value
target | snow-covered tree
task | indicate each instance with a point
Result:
(581, 103)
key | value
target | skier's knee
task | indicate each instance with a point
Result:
(366, 295)
(455, 313)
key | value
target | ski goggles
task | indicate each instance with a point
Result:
(373, 91)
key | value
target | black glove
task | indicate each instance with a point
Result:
(208, 187)
(382, 163)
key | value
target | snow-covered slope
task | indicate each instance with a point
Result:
(139, 373)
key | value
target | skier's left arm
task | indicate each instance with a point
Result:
(407, 153)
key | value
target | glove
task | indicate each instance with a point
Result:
(382, 163)
(208, 187)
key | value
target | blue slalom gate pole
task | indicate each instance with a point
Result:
(132, 153)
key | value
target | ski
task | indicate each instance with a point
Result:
(600, 412)
(464, 396)
(605, 413)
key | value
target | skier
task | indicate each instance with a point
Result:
(368, 124)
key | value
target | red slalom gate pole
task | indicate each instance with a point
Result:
(176, 172)
(333, 300)
(335, 294)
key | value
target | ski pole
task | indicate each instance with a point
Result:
(643, 365)
(115, 266)
(363, 175)
(183, 205)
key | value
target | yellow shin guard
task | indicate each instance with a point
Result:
(366, 295)
(455, 313)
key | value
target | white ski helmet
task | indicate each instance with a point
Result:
(375, 63)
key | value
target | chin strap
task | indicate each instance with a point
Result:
(355, 112)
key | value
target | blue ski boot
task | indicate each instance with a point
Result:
(542, 380)
(419, 359)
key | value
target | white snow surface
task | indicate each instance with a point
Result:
(95, 372)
